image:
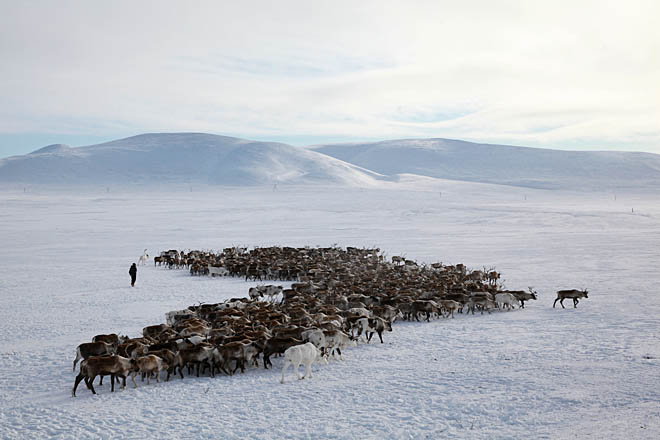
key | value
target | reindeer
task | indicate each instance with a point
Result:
(523, 296)
(278, 345)
(111, 338)
(98, 348)
(506, 300)
(493, 276)
(147, 365)
(573, 293)
(104, 366)
(373, 325)
(300, 354)
(143, 258)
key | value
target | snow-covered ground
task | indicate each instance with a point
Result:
(541, 372)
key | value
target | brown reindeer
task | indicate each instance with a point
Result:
(114, 366)
(87, 349)
(573, 293)
(523, 296)
(147, 365)
(111, 338)
(172, 359)
(197, 356)
(153, 331)
(278, 345)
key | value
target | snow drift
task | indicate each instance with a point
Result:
(503, 164)
(181, 158)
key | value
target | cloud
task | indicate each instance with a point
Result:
(560, 74)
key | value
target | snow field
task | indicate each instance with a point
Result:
(540, 372)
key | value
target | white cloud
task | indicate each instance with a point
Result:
(576, 74)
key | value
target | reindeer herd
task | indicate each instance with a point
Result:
(337, 298)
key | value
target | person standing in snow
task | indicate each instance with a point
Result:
(133, 273)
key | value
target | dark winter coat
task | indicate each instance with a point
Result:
(133, 271)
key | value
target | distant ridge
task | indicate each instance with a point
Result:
(175, 158)
(54, 148)
(162, 158)
(502, 164)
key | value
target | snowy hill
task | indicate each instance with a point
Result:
(503, 164)
(181, 158)
(176, 158)
(55, 148)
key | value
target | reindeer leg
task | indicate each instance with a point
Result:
(133, 379)
(79, 377)
(561, 301)
(555, 303)
(286, 365)
(380, 335)
(224, 369)
(90, 384)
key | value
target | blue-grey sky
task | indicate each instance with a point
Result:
(562, 74)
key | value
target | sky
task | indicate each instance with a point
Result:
(576, 74)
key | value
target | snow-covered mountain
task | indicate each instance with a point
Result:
(503, 164)
(220, 160)
(181, 157)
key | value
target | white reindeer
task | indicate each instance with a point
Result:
(506, 300)
(300, 354)
(143, 258)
